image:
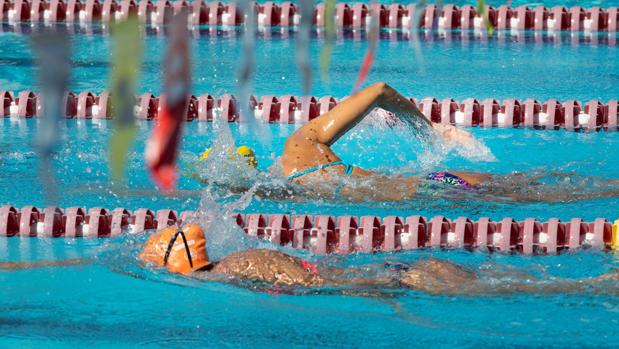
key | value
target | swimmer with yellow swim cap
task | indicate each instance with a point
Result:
(308, 159)
(243, 151)
(310, 163)
(183, 251)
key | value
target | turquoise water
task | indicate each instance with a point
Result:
(457, 69)
(116, 302)
(83, 173)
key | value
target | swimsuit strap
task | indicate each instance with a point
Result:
(347, 172)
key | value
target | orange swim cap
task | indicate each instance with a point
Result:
(182, 251)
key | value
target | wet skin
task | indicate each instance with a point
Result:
(310, 146)
(431, 276)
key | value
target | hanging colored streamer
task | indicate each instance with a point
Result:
(303, 45)
(419, 9)
(127, 50)
(481, 9)
(52, 49)
(373, 43)
(248, 62)
(325, 54)
(162, 147)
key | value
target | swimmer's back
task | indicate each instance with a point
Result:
(268, 266)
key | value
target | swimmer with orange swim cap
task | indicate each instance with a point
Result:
(183, 251)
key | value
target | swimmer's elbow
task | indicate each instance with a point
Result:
(381, 88)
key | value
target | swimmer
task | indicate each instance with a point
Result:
(309, 162)
(183, 251)
(308, 159)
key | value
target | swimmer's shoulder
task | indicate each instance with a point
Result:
(267, 266)
(256, 255)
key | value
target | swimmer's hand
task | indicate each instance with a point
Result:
(466, 145)
(453, 134)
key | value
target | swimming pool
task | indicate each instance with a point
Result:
(115, 302)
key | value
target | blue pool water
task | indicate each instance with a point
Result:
(115, 302)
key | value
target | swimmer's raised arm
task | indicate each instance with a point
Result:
(42, 264)
(329, 127)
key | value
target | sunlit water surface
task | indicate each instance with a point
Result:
(116, 302)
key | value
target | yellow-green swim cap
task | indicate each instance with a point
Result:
(244, 151)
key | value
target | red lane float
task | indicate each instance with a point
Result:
(512, 113)
(347, 15)
(329, 234)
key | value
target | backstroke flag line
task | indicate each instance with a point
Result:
(373, 32)
(247, 64)
(303, 44)
(127, 51)
(162, 147)
(325, 54)
(52, 49)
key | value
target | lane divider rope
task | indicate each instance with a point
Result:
(571, 115)
(330, 234)
(429, 36)
(287, 14)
